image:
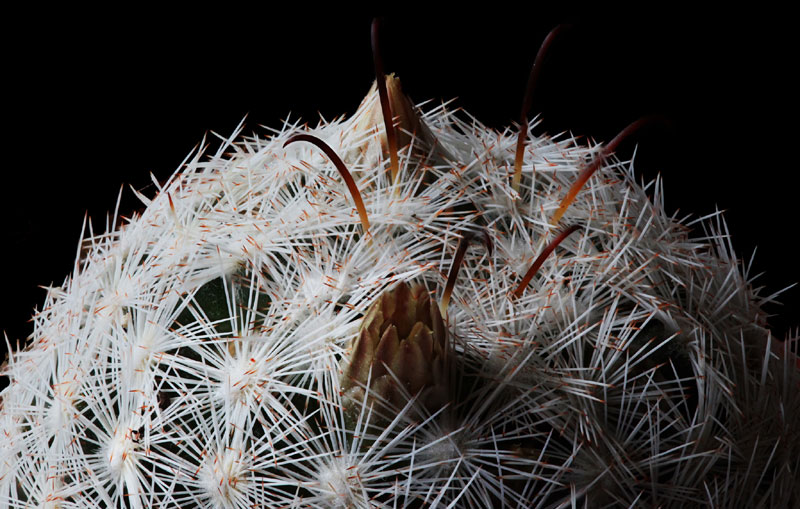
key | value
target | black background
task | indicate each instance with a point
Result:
(100, 102)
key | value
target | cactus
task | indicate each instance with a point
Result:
(267, 334)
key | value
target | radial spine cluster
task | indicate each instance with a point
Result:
(210, 352)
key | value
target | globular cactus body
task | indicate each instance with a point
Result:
(248, 342)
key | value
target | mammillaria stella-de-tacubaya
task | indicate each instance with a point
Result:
(418, 313)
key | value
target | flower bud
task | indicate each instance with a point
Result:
(402, 340)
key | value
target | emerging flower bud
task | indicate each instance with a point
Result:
(402, 339)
